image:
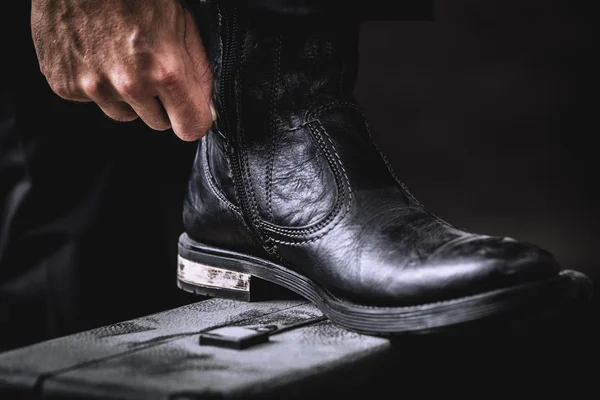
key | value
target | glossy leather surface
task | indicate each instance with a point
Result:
(290, 173)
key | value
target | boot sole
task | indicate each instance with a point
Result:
(220, 273)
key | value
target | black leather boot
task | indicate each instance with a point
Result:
(288, 187)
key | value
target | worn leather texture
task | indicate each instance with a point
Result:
(290, 173)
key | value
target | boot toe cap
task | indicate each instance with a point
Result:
(483, 263)
(467, 267)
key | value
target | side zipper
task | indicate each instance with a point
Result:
(231, 58)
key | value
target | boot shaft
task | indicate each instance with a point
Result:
(269, 69)
(290, 150)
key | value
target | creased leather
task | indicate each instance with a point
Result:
(314, 191)
(207, 214)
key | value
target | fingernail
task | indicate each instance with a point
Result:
(213, 112)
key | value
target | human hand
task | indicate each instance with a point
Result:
(133, 58)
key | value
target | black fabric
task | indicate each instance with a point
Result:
(84, 240)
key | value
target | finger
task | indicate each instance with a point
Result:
(62, 79)
(67, 91)
(99, 91)
(140, 95)
(188, 111)
(201, 68)
(185, 90)
(186, 106)
(152, 112)
(118, 111)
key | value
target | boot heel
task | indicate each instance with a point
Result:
(208, 280)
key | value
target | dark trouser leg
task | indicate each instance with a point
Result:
(87, 207)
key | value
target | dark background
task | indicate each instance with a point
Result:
(488, 114)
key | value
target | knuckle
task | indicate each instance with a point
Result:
(91, 86)
(62, 90)
(129, 88)
(169, 77)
